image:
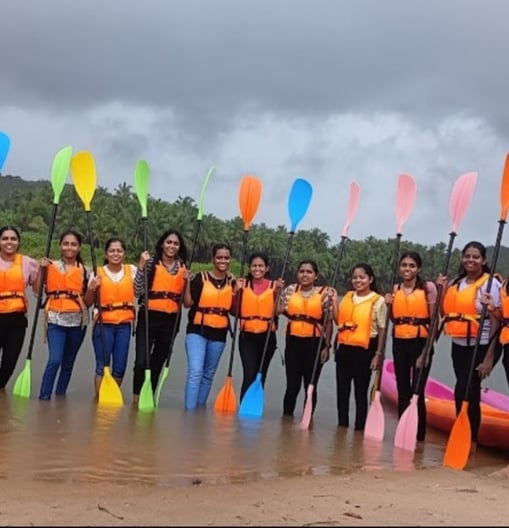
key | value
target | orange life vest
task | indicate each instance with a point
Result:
(64, 289)
(410, 314)
(12, 288)
(166, 289)
(460, 316)
(504, 299)
(256, 310)
(117, 298)
(354, 320)
(213, 305)
(304, 314)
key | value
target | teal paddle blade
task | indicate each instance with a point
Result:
(5, 145)
(298, 202)
(253, 401)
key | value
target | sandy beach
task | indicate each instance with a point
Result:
(428, 497)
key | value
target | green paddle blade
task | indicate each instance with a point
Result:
(159, 388)
(23, 383)
(202, 194)
(146, 401)
(141, 176)
(59, 171)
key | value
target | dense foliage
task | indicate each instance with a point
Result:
(28, 206)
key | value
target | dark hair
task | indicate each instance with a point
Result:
(111, 241)
(220, 245)
(462, 272)
(255, 255)
(368, 270)
(309, 262)
(158, 252)
(420, 283)
(5, 228)
(79, 258)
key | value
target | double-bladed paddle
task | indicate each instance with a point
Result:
(85, 182)
(166, 369)
(141, 177)
(460, 437)
(59, 172)
(353, 203)
(405, 199)
(298, 202)
(461, 195)
(249, 199)
(5, 145)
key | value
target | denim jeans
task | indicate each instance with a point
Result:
(203, 358)
(63, 344)
(117, 338)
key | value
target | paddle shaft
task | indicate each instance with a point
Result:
(484, 310)
(276, 300)
(145, 295)
(44, 273)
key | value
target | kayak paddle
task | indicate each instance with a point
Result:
(249, 200)
(405, 199)
(166, 369)
(5, 145)
(298, 202)
(461, 195)
(460, 438)
(85, 182)
(59, 172)
(141, 177)
(353, 204)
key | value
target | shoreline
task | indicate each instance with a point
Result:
(427, 496)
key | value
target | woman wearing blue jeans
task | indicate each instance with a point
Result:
(66, 313)
(209, 296)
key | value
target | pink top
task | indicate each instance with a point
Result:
(29, 265)
(261, 286)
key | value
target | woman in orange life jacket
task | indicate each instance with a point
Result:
(360, 317)
(17, 271)
(411, 305)
(66, 313)
(166, 278)
(256, 295)
(116, 280)
(209, 296)
(461, 308)
(303, 303)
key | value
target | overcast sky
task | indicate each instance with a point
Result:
(327, 90)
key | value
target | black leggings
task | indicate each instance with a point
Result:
(405, 353)
(12, 334)
(353, 364)
(251, 351)
(461, 360)
(505, 362)
(300, 354)
(159, 338)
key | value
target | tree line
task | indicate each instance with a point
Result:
(28, 205)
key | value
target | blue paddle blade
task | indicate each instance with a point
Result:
(253, 400)
(5, 144)
(298, 202)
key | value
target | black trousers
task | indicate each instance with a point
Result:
(353, 365)
(251, 351)
(159, 337)
(13, 328)
(405, 353)
(300, 354)
(461, 360)
(505, 362)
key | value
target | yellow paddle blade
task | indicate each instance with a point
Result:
(250, 193)
(84, 176)
(460, 441)
(226, 400)
(504, 193)
(109, 392)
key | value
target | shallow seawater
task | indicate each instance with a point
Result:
(71, 439)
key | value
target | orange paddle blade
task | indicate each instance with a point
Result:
(226, 400)
(250, 193)
(460, 441)
(504, 192)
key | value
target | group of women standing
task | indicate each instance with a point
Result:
(318, 321)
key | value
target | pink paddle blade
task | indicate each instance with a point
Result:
(308, 408)
(353, 204)
(375, 422)
(405, 199)
(406, 430)
(461, 195)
